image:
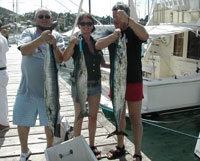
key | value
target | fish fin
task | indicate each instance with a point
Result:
(113, 133)
(122, 133)
(82, 115)
(117, 133)
(57, 131)
(73, 79)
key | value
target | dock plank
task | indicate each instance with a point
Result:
(9, 141)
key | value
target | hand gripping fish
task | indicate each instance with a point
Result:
(80, 80)
(118, 83)
(51, 90)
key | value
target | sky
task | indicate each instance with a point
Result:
(98, 7)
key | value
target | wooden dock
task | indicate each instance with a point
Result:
(9, 141)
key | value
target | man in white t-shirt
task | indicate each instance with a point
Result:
(4, 122)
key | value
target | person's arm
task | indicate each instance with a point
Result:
(57, 42)
(58, 54)
(70, 49)
(106, 41)
(46, 36)
(138, 29)
(29, 47)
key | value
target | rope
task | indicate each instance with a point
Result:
(179, 132)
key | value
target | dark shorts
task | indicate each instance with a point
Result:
(134, 92)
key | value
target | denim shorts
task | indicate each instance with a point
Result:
(93, 89)
(26, 110)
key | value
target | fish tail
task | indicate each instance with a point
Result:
(113, 133)
(51, 130)
(117, 133)
(57, 130)
(83, 114)
(122, 133)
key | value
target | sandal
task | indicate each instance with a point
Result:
(137, 156)
(116, 153)
(96, 152)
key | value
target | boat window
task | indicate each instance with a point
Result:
(178, 44)
(193, 51)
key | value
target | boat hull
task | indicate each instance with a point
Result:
(161, 94)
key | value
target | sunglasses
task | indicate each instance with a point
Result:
(86, 24)
(42, 16)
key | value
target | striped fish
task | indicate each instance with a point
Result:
(80, 80)
(118, 83)
(51, 90)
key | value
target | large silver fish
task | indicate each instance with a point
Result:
(80, 80)
(118, 83)
(51, 90)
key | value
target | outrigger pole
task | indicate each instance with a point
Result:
(75, 23)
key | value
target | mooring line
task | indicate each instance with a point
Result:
(176, 131)
(153, 124)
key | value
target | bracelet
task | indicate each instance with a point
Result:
(128, 20)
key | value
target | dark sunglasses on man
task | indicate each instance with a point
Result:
(44, 16)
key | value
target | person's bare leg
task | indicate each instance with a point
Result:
(23, 132)
(136, 124)
(49, 136)
(93, 102)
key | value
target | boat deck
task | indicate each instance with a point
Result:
(9, 141)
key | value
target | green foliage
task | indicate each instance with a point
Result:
(65, 20)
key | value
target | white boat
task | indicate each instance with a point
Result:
(171, 59)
